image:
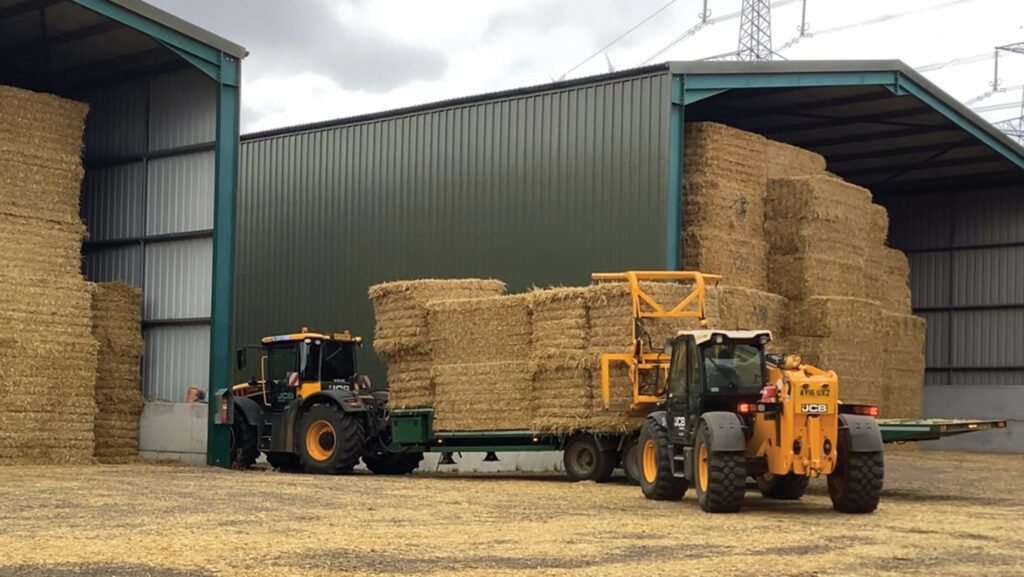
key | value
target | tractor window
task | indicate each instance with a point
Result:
(732, 368)
(309, 361)
(281, 361)
(339, 362)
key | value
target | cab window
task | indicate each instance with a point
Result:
(680, 369)
(339, 362)
(280, 362)
(309, 361)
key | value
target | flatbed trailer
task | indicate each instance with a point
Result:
(913, 430)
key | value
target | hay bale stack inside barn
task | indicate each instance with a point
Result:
(47, 352)
(117, 327)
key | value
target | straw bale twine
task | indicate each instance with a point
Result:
(802, 276)
(480, 330)
(715, 152)
(482, 396)
(784, 160)
(743, 308)
(410, 384)
(400, 309)
(559, 320)
(739, 258)
(839, 317)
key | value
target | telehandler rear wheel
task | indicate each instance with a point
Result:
(585, 460)
(244, 447)
(856, 483)
(721, 476)
(656, 479)
(330, 441)
(786, 487)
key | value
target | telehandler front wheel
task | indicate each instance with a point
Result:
(856, 483)
(786, 487)
(656, 479)
(721, 476)
(330, 441)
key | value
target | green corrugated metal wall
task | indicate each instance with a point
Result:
(537, 189)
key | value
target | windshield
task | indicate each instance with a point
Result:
(281, 361)
(733, 368)
(309, 361)
(339, 361)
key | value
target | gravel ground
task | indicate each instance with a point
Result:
(941, 513)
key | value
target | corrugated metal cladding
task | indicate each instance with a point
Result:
(966, 253)
(148, 203)
(538, 189)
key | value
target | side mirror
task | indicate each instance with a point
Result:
(240, 359)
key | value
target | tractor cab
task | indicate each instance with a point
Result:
(712, 370)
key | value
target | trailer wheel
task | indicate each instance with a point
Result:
(785, 487)
(393, 463)
(244, 444)
(585, 460)
(856, 483)
(631, 461)
(330, 441)
(721, 476)
(655, 454)
(286, 462)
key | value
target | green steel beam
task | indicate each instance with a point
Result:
(705, 82)
(905, 85)
(692, 96)
(674, 209)
(226, 184)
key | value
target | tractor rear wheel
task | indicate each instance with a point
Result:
(786, 487)
(655, 465)
(721, 476)
(631, 461)
(585, 460)
(856, 483)
(330, 441)
(393, 463)
(244, 444)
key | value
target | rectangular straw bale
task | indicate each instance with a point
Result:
(715, 152)
(834, 317)
(561, 397)
(887, 278)
(855, 362)
(41, 128)
(816, 198)
(740, 259)
(488, 329)
(42, 192)
(610, 309)
(743, 308)
(401, 314)
(724, 207)
(794, 237)
(410, 384)
(798, 277)
(30, 246)
(483, 396)
(60, 305)
(784, 160)
(876, 226)
(559, 320)
(903, 364)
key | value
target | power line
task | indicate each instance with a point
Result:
(956, 62)
(617, 38)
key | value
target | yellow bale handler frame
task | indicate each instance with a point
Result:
(651, 366)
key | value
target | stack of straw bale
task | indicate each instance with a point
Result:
(117, 327)
(47, 352)
(402, 338)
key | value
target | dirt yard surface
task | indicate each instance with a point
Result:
(941, 514)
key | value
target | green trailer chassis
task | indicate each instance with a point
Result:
(913, 430)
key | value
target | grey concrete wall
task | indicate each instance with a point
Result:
(978, 402)
(175, 431)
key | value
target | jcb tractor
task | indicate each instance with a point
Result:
(722, 410)
(310, 409)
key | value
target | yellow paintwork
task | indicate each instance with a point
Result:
(640, 362)
(313, 446)
(301, 336)
(773, 438)
(650, 461)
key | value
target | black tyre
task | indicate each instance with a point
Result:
(287, 462)
(244, 444)
(393, 463)
(721, 476)
(856, 483)
(655, 457)
(586, 461)
(330, 441)
(630, 461)
(786, 487)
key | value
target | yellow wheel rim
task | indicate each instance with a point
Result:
(650, 461)
(320, 440)
(702, 472)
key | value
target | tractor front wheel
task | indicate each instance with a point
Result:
(856, 483)
(585, 460)
(786, 487)
(330, 441)
(721, 477)
(655, 465)
(244, 444)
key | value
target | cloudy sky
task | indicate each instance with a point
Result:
(314, 60)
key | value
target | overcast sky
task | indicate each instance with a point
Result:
(312, 60)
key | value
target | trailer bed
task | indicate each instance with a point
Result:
(913, 430)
